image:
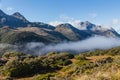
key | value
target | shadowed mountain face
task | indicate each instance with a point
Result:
(11, 21)
(71, 32)
(16, 28)
(19, 16)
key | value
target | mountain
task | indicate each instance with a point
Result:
(49, 34)
(97, 29)
(2, 13)
(13, 36)
(41, 25)
(16, 28)
(71, 32)
(85, 25)
(11, 21)
(17, 20)
(19, 16)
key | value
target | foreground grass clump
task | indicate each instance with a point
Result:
(96, 65)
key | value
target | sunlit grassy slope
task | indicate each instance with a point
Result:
(95, 65)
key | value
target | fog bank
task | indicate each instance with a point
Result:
(97, 42)
(93, 43)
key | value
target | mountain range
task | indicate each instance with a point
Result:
(16, 29)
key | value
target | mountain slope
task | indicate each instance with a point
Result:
(17, 37)
(71, 32)
(96, 29)
(19, 16)
(7, 20)
(51, 35)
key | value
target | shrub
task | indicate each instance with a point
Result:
(15, 68)
(12, 54)
(67, 62)
(80, 57)
(44, 76)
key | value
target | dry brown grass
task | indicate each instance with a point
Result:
(96, 58)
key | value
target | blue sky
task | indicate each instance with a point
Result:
(103, 12)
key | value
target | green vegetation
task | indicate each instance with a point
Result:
(44, 76)
(12, 36)
(96, 65)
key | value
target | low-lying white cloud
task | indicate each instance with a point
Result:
(90, 44)
(97, 42)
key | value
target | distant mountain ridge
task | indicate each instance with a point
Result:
(18, 29)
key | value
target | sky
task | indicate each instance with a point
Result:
(100, 12)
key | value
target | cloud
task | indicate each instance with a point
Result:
(93, 15)
(90, 44)
(66, 19)
(115, 21)
(75, 23)
(97, 42)
(9, 9)
(106, 27)
(55, 23)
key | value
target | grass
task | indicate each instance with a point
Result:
(96, 65)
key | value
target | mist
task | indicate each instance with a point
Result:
(90, 44)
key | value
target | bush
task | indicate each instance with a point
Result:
(44, 76)
(67, 62)
(80, 57)
(12, 54)
(15, 68)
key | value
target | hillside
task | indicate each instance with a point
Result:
(11, 36)
(97, 65)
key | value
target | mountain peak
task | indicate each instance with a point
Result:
(2, 13)
(66, 25)
(87, 22)
(86, 25)
(17, 13)
(19, 16)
